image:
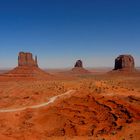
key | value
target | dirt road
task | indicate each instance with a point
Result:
(51, 100)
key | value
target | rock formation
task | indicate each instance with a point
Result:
(26, 59)
(124, 62)
(78, 68)
(79, 63)
(27, 68)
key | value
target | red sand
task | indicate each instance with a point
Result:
(103, 107)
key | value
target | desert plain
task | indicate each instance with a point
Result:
(74, 104)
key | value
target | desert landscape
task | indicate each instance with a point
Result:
(76, 104)
(69, 70)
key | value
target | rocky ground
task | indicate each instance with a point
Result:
(102, 107)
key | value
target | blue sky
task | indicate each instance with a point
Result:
(62, 31)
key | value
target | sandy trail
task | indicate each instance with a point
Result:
(51, 100)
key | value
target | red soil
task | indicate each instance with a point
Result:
(103, 107)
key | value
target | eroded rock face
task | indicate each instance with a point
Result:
(124, 62)
(78, 63)
(26, 59)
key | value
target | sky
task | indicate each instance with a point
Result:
(61, 31)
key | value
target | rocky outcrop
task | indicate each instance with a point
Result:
(124, 62)
(26, 59)
(78, 68)
(27, 68)
(79, 63)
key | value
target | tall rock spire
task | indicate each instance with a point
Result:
(36, 61)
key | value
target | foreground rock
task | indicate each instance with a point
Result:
(125, 63)
(77, 115)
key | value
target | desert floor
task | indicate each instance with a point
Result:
(96, 106)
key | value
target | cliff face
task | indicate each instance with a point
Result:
(26, 59)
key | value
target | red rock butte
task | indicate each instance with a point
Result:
(79, 63)
(79, 69)
(26, 59)
(27, 68)
(124, 63)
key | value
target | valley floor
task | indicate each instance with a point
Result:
(79, 107)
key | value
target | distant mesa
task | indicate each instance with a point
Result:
(26, 59)
(78, 68)
(78, 64)
(124, 63)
